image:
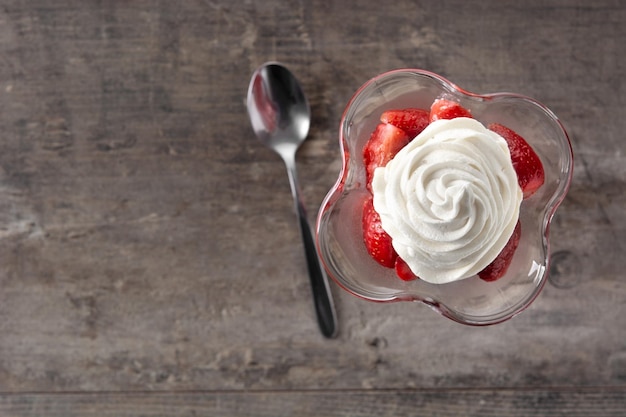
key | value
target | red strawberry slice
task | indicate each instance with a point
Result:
(411, 120)
(530, 174)
(447, 109)
(403, 271)
(377, 241)
(382, 146)
(496, 269)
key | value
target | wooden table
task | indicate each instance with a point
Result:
(150, 261)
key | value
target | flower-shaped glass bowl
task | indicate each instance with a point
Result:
(470, 301)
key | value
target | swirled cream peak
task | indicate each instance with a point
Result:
(449, 199)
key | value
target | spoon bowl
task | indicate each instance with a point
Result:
(279, 111)
(280, 116)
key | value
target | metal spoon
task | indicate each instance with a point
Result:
(280, 117)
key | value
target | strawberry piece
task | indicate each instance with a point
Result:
(447, 109)
(496, 269)
(403, 271)
(382, 146)
(530, 173)
(411, 120)
(377, 241)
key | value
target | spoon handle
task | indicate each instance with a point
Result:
(322, 297)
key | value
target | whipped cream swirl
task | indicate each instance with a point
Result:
(449, 200)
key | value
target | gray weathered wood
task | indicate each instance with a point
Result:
(148, 241)
(392, 403)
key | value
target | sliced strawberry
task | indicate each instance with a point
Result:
(377, 241)
(447, 109)
(530, 174)
(382, 146)
(411, 120)
(403, 271)
(496, 269)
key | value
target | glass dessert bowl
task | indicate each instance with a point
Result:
(471, 301)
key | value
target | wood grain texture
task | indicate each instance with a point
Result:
(148, 241)
(396, 403)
